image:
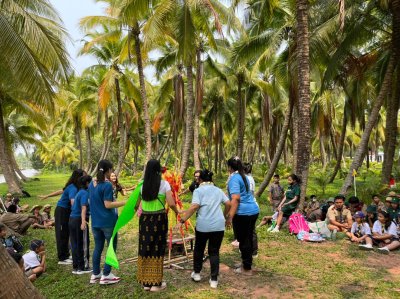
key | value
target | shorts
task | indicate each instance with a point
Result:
(377, 242)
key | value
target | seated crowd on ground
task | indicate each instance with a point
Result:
(371, 225)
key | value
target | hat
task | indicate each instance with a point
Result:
(331, 199)
(371, 209)
(392, 193)
(46, 206)
(359, 214)
(8, 195)
(36, 207)
(388, 199)
(395, 200)
(35, 244)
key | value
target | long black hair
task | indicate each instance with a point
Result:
(83, 180)
(388, 221)
(237, 165)
(76, 174)
(102, 168)
(206, 175)
(152, 180)
(295, 178)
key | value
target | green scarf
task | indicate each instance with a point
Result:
(127, 215)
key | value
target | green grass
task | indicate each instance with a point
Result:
(286, 267)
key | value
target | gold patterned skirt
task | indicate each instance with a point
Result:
(153, 228)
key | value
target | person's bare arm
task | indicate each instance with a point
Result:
(43, 260)
(171, 202)
(333, 221)
(83, 217)
(114, 204)
(55, 193)
(381, 237)
(189, 212)
(235, 201)
(227, 208)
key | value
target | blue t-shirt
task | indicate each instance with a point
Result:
(81, 199)
(209, 216)
(68, 194)
(247, 205)
(101, 216)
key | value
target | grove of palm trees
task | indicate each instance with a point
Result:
(290, 86)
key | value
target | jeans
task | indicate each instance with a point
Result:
(214, 243)
(244, 227)
(100, 235)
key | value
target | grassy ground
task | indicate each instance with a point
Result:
(285, 267)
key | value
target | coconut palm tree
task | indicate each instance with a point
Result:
(33, 60)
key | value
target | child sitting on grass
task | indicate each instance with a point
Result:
(361, 232)
(35, 259)
(20, 261)
(384, 233)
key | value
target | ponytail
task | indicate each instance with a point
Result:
(237, 165)
(102, 168)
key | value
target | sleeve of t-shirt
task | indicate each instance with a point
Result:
(85, 199)
(224, 198)
(108, 192)
(164, 187)
(297, 191)
(234, 185)
(30, 260)
(196, 197)
(72, 192)
(392, 229)
(367, 229)
(353, 228)
(376, 227)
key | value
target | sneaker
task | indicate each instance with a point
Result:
(367, 247)
(255, 255)
(275, 230)
(95, 278)
(383, 250)
(213, 283)
(75, 271)
(84, 271)
(195, 276)
(65, 262)
(109, 279)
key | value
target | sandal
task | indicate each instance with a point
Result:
(163, 286)
(146, 288)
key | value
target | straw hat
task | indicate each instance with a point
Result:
(392, 193)
(36, 207)
(46, 206)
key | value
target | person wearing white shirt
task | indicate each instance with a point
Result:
(361, 232)
(35, 259)
(384, 232)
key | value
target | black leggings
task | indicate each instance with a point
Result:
(61, 216)
(214, 244)
(244, 227)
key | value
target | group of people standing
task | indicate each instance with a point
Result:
(85, 200)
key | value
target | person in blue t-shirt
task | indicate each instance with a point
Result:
(103, 211)
(61, 215)
(78, 229)
(243, 213)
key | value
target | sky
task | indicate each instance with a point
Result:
(71, 11)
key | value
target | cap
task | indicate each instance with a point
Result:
(331, 199)
(35, 244)
(395, 200)
(359, 214)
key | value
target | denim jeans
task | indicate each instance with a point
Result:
(100, 235)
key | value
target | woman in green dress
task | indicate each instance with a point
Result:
(289, 202)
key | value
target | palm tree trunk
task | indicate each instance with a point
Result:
(373, 117)
(16, 167)
(165, 146)
(146, 117)
(279, 149)
(221, 148)
(189, 123)
(341, 148)
(304, 119)
(106, 143)
(333, 142)
(121, 129)
(5, 160)
(78, 138)
(322, 151)
(241, 116)
(197, 108)
(17, 285)
(88, 150)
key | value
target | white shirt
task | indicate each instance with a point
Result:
(365, 229)
(164, 187)
(31, 260)
(252, 183)
(377, 228)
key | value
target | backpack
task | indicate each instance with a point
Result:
(297, 223)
